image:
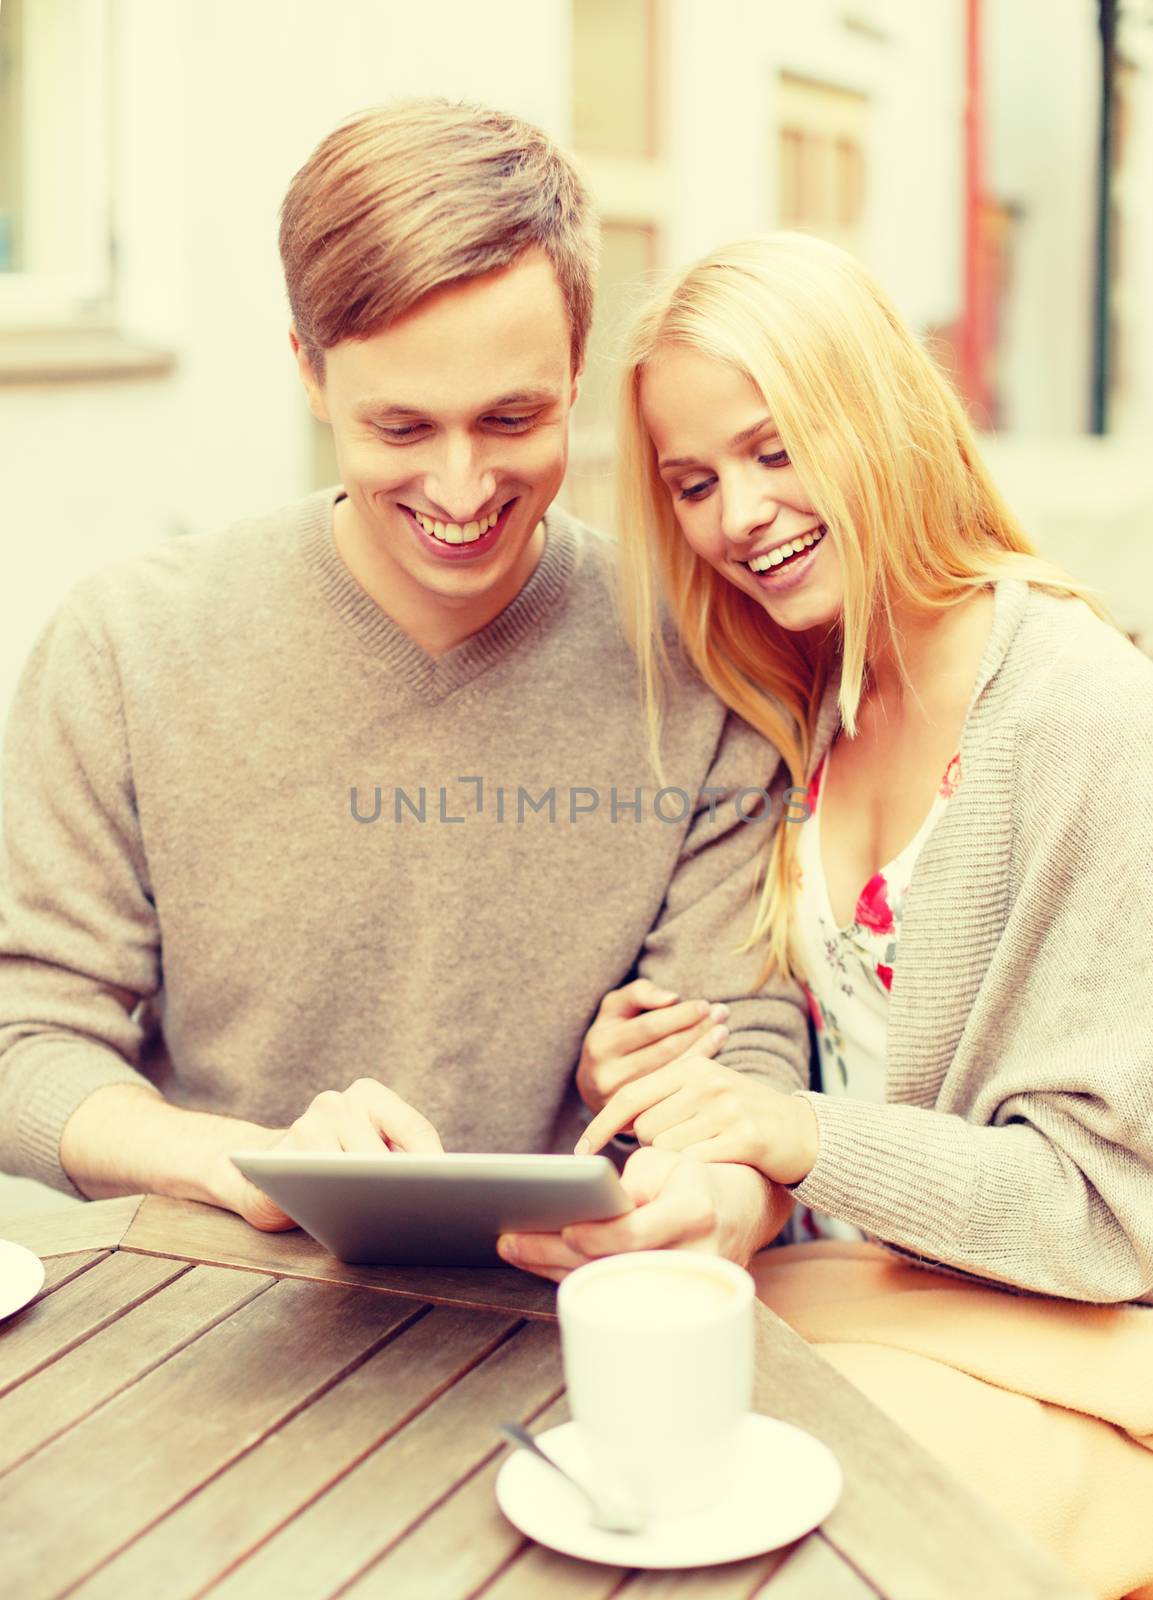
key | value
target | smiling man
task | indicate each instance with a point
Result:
(209, 937)
(447, 478)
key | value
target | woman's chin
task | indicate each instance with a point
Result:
(799, 613)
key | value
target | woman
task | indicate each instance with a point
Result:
(967, 903)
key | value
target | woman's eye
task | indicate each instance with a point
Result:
(779, 458)
(696, 491)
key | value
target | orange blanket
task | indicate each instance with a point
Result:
(1043, 1406)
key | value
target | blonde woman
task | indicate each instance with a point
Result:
(968, 903)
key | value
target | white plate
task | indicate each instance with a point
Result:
(21, 1277)
(786, 1482)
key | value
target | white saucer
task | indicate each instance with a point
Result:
(786, 1482)
(21, 1277)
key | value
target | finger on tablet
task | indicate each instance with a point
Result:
(542, 1253)
(401, 1124)
(624, 1107)
(319, 1127)
(674, 1208)
(358, 1132)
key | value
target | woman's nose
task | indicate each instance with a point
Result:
(746, 516)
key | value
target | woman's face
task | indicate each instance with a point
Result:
(737, 497)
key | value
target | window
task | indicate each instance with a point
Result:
(614, 96)
(55, 138)
(617, 55)
(821, 134)
(11, 143)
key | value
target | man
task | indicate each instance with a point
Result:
(358, 791)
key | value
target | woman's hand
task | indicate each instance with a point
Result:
(638, 1029)
(701, 1109)
(678, 1204)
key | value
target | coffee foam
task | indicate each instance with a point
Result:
(658, 1295)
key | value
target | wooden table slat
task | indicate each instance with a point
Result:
(316, 1440)
(455, 1549)
(540, 1572)
(59, 1270)
(134, 1459)
(204, 1233)
(733, 1580)
(118, 1355)
(337, 1537)
(537, 1571)
(53, 1325)
(240, 1508)
(813, 1570)
(99, 1225)
(901, 1509)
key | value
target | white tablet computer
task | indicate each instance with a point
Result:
(446, 1210)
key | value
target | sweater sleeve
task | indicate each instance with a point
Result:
(79, 941)
(1043, 1182)
(693, 948)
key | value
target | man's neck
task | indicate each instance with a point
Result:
(433, 622)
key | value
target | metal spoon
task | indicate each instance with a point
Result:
(614, 1516)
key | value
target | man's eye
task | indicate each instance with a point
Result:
(779, 458)
(696, 491)
(401, 434)
(513, 424)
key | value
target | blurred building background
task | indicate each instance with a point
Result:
(991, 160)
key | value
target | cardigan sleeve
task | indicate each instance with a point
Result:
(1040, 1175)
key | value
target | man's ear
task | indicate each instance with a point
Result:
(313, 388)
(576, 385)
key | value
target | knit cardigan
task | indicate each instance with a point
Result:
(1016, 1140)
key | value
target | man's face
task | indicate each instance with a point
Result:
(451, 432)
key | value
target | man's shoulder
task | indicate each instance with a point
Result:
(182, 575)
(596, 595)
(688, 705)
(593, 549)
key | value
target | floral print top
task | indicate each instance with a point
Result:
(850, 971)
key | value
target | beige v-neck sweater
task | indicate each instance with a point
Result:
(257, 844)
(1016, 1141)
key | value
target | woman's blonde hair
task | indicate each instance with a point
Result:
(887, 457)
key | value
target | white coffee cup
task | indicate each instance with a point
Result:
(658, 1361)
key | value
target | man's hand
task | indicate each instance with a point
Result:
(366, 1118)
(638, 1029)
(679, 1204)
(715, 1114)
(126, 1139)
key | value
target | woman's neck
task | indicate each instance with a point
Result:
(940, 652)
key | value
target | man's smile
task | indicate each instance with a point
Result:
(454, 540)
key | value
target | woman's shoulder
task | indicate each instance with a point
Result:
(1063, 651)
(1082, 691)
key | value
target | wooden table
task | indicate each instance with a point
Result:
(192, 1407)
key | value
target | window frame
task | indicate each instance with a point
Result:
(66, 91)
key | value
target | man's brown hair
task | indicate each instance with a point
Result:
(421, 194)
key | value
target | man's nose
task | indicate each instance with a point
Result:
(459, 483)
